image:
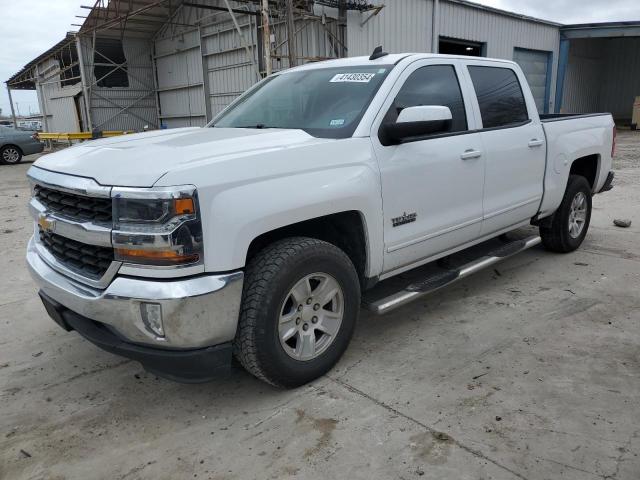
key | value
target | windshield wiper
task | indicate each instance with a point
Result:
(259, 126)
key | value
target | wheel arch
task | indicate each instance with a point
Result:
(12, 145)
(587, 166)
(346, 230)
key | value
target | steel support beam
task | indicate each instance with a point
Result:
(435, 27)
(266, 37)
(13, 113)
(291, 34)
(85, 90)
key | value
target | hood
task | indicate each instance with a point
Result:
(140, 160)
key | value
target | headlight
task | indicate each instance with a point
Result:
(157, 226)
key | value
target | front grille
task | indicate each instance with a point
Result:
(90, 260)
(76, 207)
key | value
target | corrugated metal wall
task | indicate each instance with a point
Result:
(603, 75)
(405, 26)
(230, 70)
(56, 101)
(584, 76)
(206, 68)
(622, 76)
(139, 97)
(401, 26)
(180, 80)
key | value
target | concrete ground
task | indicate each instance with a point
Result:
(529, 371)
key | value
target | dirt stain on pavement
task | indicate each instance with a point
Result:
(325, 426)
(432, 448)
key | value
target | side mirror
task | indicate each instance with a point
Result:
(416, 122)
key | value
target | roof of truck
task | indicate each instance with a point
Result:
(389, 59)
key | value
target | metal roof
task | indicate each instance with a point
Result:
(601, 30)
(505, 13)
(23, 80)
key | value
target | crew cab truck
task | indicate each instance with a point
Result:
(260, 234)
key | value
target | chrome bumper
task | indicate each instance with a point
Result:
(197, 312)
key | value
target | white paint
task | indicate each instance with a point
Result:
(424, 114)
(462, 187)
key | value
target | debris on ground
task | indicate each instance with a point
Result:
(622, 223)
(25, 453)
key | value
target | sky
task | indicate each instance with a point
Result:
(30, 27)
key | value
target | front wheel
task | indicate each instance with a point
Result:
(568, 226)
(300, 304)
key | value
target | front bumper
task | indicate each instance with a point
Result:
(197, 312)
(187, 366)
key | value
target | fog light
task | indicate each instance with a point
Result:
(152, 317)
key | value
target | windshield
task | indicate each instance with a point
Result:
(327, 102)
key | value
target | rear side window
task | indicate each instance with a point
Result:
(435, 85)
(499, 95)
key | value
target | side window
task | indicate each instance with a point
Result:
(432, 85)
(499, 95)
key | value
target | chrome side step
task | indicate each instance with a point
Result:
(447, 277)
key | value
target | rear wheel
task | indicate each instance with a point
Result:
(10, 155)
(568, 226)
(300, 304)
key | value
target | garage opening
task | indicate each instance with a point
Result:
(453, 46)
(599, 70)
(536, 65)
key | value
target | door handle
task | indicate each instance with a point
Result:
(471, 154)
(536, 143)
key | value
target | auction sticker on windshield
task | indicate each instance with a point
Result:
(352, 77)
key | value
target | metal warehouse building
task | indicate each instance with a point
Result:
(173, 63)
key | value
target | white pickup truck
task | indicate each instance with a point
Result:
(261, 235)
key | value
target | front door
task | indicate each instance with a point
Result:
(431, 186)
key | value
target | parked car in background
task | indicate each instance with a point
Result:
(14, 144)
(33, 125)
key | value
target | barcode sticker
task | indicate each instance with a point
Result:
(352, 77)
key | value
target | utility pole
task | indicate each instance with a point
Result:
(13, 113)
(291, 34)
(266, 36)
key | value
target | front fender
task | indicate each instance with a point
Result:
(245, 212)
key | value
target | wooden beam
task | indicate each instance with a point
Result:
(220, 9)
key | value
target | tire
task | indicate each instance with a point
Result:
(10, 155)
(269, 305)
(557, 233)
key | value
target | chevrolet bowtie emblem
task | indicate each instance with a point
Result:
(47, 224)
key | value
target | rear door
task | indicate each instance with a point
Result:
(432, 185)
(514, 143)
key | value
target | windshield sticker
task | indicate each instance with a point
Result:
(337, 122)
(352, 77)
